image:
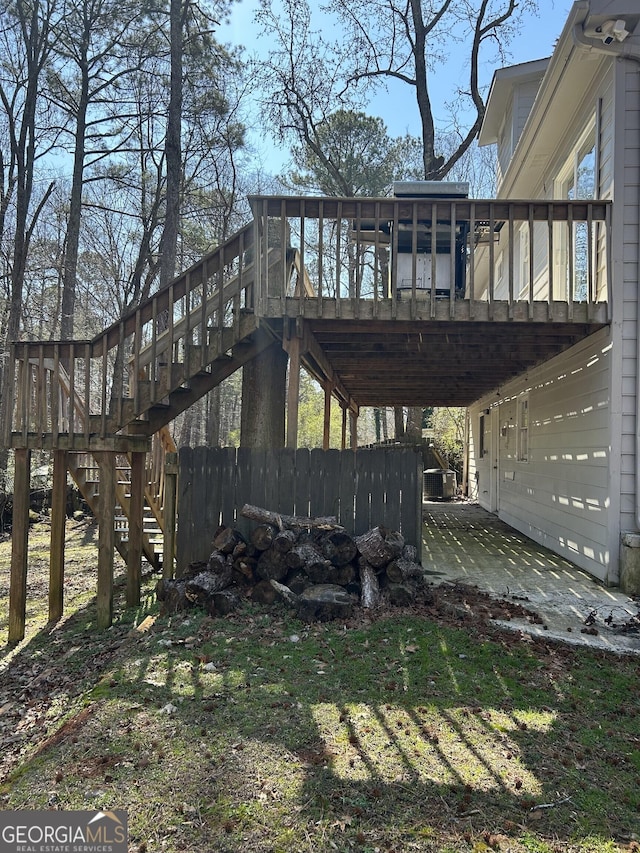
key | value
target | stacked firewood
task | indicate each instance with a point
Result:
(312, 564)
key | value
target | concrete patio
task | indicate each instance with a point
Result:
(463, 543)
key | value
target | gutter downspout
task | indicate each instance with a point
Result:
(629, 49)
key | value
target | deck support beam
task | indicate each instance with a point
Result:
(136, 510)
(19, 546)
(106, 538)
(58, 522)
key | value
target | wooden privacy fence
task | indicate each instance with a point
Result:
(363, 489)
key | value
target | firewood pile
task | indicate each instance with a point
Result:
(312, 564)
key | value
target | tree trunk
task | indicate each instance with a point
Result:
(398, 423)
(263, 399)
(70, 272)
(173, 147)
(265, 516)
(413, 433)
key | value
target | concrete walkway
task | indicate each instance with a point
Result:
(464, 543)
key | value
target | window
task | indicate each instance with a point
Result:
(523, 429)
(481, 438)
(578, 180)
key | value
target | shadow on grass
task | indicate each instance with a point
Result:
(258, 733)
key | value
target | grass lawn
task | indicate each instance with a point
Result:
(402, 730)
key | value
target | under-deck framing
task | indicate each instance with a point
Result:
(318, 277)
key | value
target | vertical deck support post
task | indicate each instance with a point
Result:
(136, 510)
(293, 346)
(106, 538)
(343, 442)
(169, 510)
(354, 429)
(58, 520)
(19, 546)
(326, 434)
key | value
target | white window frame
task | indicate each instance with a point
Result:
(564, 185)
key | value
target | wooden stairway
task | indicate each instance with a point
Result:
(83, 468)
(175, 346)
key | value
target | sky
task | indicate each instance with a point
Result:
(397, 106)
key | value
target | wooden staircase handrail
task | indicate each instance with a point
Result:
(159, 301)
(180, 327)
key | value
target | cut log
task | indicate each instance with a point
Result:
(323, 602)
(227, 540)
(341, 575)
(245, 567)
(175, 599)
(201, 588)
(265, 516)
(263, 593)
(223, 602)
(192, 569)
(284, 592)
(401, 570)
(306, 556)
(244, 549)
(320, 602)
(298, 580)
(272, 565)
(339, 547)
(217, 564)
(380, 545)
(262, 536)
(370, 589)
(410, 552)
(284, 541)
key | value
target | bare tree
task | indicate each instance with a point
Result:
(97, 44)
(26, 47)
(404, 40)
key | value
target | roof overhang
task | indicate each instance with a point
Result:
(504, 81)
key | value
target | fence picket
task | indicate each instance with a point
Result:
(364, 489)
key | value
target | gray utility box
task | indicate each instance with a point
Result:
(439, 483)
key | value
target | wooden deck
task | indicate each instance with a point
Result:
(352, 291)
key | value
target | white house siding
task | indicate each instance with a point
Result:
(560, 496)
(505, 143)
(626, 236)
(525, 95)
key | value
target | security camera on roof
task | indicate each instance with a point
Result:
(611, 31)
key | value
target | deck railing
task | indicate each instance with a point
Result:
(381, 251)
(83, 388)
(369, 258)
